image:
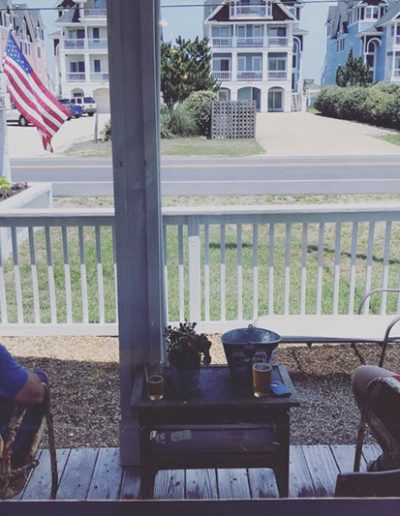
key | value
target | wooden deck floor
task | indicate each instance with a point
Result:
(95, 474)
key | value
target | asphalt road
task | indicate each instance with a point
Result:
(222, 176)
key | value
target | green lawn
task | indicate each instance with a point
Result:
(200, 146)
(393, 137)
(196, 146)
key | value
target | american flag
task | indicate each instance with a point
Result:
(30, 96)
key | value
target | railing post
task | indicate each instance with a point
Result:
(194, 269)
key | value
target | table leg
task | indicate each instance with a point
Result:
(282, 460)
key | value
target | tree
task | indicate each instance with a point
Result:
(353, 73)
(185, 68)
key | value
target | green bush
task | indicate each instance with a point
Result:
(107, 134)
(165, 119)
(378, 104)
(199, 104)
(182, 122)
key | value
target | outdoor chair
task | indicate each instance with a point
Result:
(382, 403)
(13, 476)
(337, 329)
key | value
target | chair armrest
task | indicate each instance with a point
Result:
(375, 291)
(380, 483)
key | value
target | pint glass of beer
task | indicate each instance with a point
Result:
(154, 375)
(261, 379)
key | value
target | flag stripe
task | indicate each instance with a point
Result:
(30, 95)
(21, 84)
(43, 108)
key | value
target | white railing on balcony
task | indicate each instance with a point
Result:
(98, 43)
(277, 75)
(249, 76)
(397, 40)
(396, 73)
(76, 77)
(222, 76)
(274, 41)
(221, 264)
(95, 13)
(222, 42)
(99, 76)
(249, 42)
(250, 11)
(74, 44)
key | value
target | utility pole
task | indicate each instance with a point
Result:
(4, 157)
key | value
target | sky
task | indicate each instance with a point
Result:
(179, 20)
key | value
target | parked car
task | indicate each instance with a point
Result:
(88, 104)
(13, 115)
(76, 110)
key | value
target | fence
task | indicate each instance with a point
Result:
(223, 266)
(231, 119)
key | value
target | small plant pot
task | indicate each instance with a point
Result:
(186, 383)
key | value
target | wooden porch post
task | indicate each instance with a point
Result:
(134, 86)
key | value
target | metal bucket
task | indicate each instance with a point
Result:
(242, 346)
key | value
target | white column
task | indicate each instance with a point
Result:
(134, 38)
(4, 156)
(234, 65)
(87, 57)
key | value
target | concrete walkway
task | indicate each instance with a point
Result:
(25, 142)
(306, 134)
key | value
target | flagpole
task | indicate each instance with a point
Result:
(5, 170)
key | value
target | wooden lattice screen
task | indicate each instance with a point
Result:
(233, 119)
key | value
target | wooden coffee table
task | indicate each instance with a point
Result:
(224, 426)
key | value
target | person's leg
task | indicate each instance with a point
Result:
(360, 379)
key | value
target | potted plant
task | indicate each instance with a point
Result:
(187, 351)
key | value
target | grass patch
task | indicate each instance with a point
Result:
(393, 138)
(200, 146)
(196, 146)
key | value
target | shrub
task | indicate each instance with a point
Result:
(182, 122)
(107, 135)
(378, 104)
(165, 119)
(199, 104)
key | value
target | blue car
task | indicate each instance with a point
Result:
(75, 109)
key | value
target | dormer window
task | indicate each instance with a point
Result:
(364, 11)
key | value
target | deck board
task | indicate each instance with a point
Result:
(96, 474)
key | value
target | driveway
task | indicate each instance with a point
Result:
(25, 142)
(306, 134)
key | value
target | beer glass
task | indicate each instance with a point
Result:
(261, 379)
(154, 376)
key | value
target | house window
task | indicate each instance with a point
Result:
(277, 64)
(97, 65)
(222, 32)
(279, 32)
(77, 67)
(249, 31)
(96, 33)
(249, 64)
(221, 64)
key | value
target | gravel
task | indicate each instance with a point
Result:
(85, 386)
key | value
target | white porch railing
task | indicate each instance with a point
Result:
(249, 75)
(76, 77)
(222, 76)
(95, 13)
(249, 42)
(76, 43)
(277, 75)
(277, 41)
(223, 266)
(99, 76)
(222, 42)
(98, 43)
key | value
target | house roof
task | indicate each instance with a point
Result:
(389, 15)
(221, 12)
(70, 16)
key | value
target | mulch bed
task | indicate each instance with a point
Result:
(85, 387)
